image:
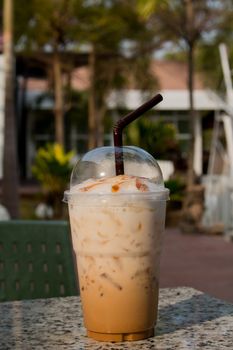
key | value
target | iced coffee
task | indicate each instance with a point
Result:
(117, 225)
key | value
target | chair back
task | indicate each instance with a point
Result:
(36, 260)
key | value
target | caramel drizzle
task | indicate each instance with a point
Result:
(142, 187)
(111, 281)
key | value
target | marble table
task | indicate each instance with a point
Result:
(188, 319)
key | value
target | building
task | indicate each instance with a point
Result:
(35, 105)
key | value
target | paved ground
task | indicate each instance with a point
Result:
(199, 261)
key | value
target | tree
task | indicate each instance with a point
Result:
(115, 28)
(10, 194)
(208, 54)
(103, 27)
(49, 29)
(186, 22)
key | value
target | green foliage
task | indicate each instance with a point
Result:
(147, 7)
(208, 56)
(52, 168)
(209, 64)
(176, 187)
(158, 138)
(43, 22)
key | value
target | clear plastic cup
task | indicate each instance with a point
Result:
(117, 239)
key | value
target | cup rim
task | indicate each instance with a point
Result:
(161, 195)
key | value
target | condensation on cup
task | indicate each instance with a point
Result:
(117, 225)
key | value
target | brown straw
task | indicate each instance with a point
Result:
(122, 123)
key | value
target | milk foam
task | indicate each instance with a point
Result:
(117, 184)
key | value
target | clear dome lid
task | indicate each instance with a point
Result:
(100, 163)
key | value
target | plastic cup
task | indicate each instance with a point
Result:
(117, 239)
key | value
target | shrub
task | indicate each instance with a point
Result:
(177, 190)
(156, 137)
(52, 168)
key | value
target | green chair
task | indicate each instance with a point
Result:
(36, 260)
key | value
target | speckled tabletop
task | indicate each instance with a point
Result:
(188, 319)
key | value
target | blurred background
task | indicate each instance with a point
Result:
(71, 68)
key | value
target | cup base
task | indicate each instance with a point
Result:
(121, 337)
